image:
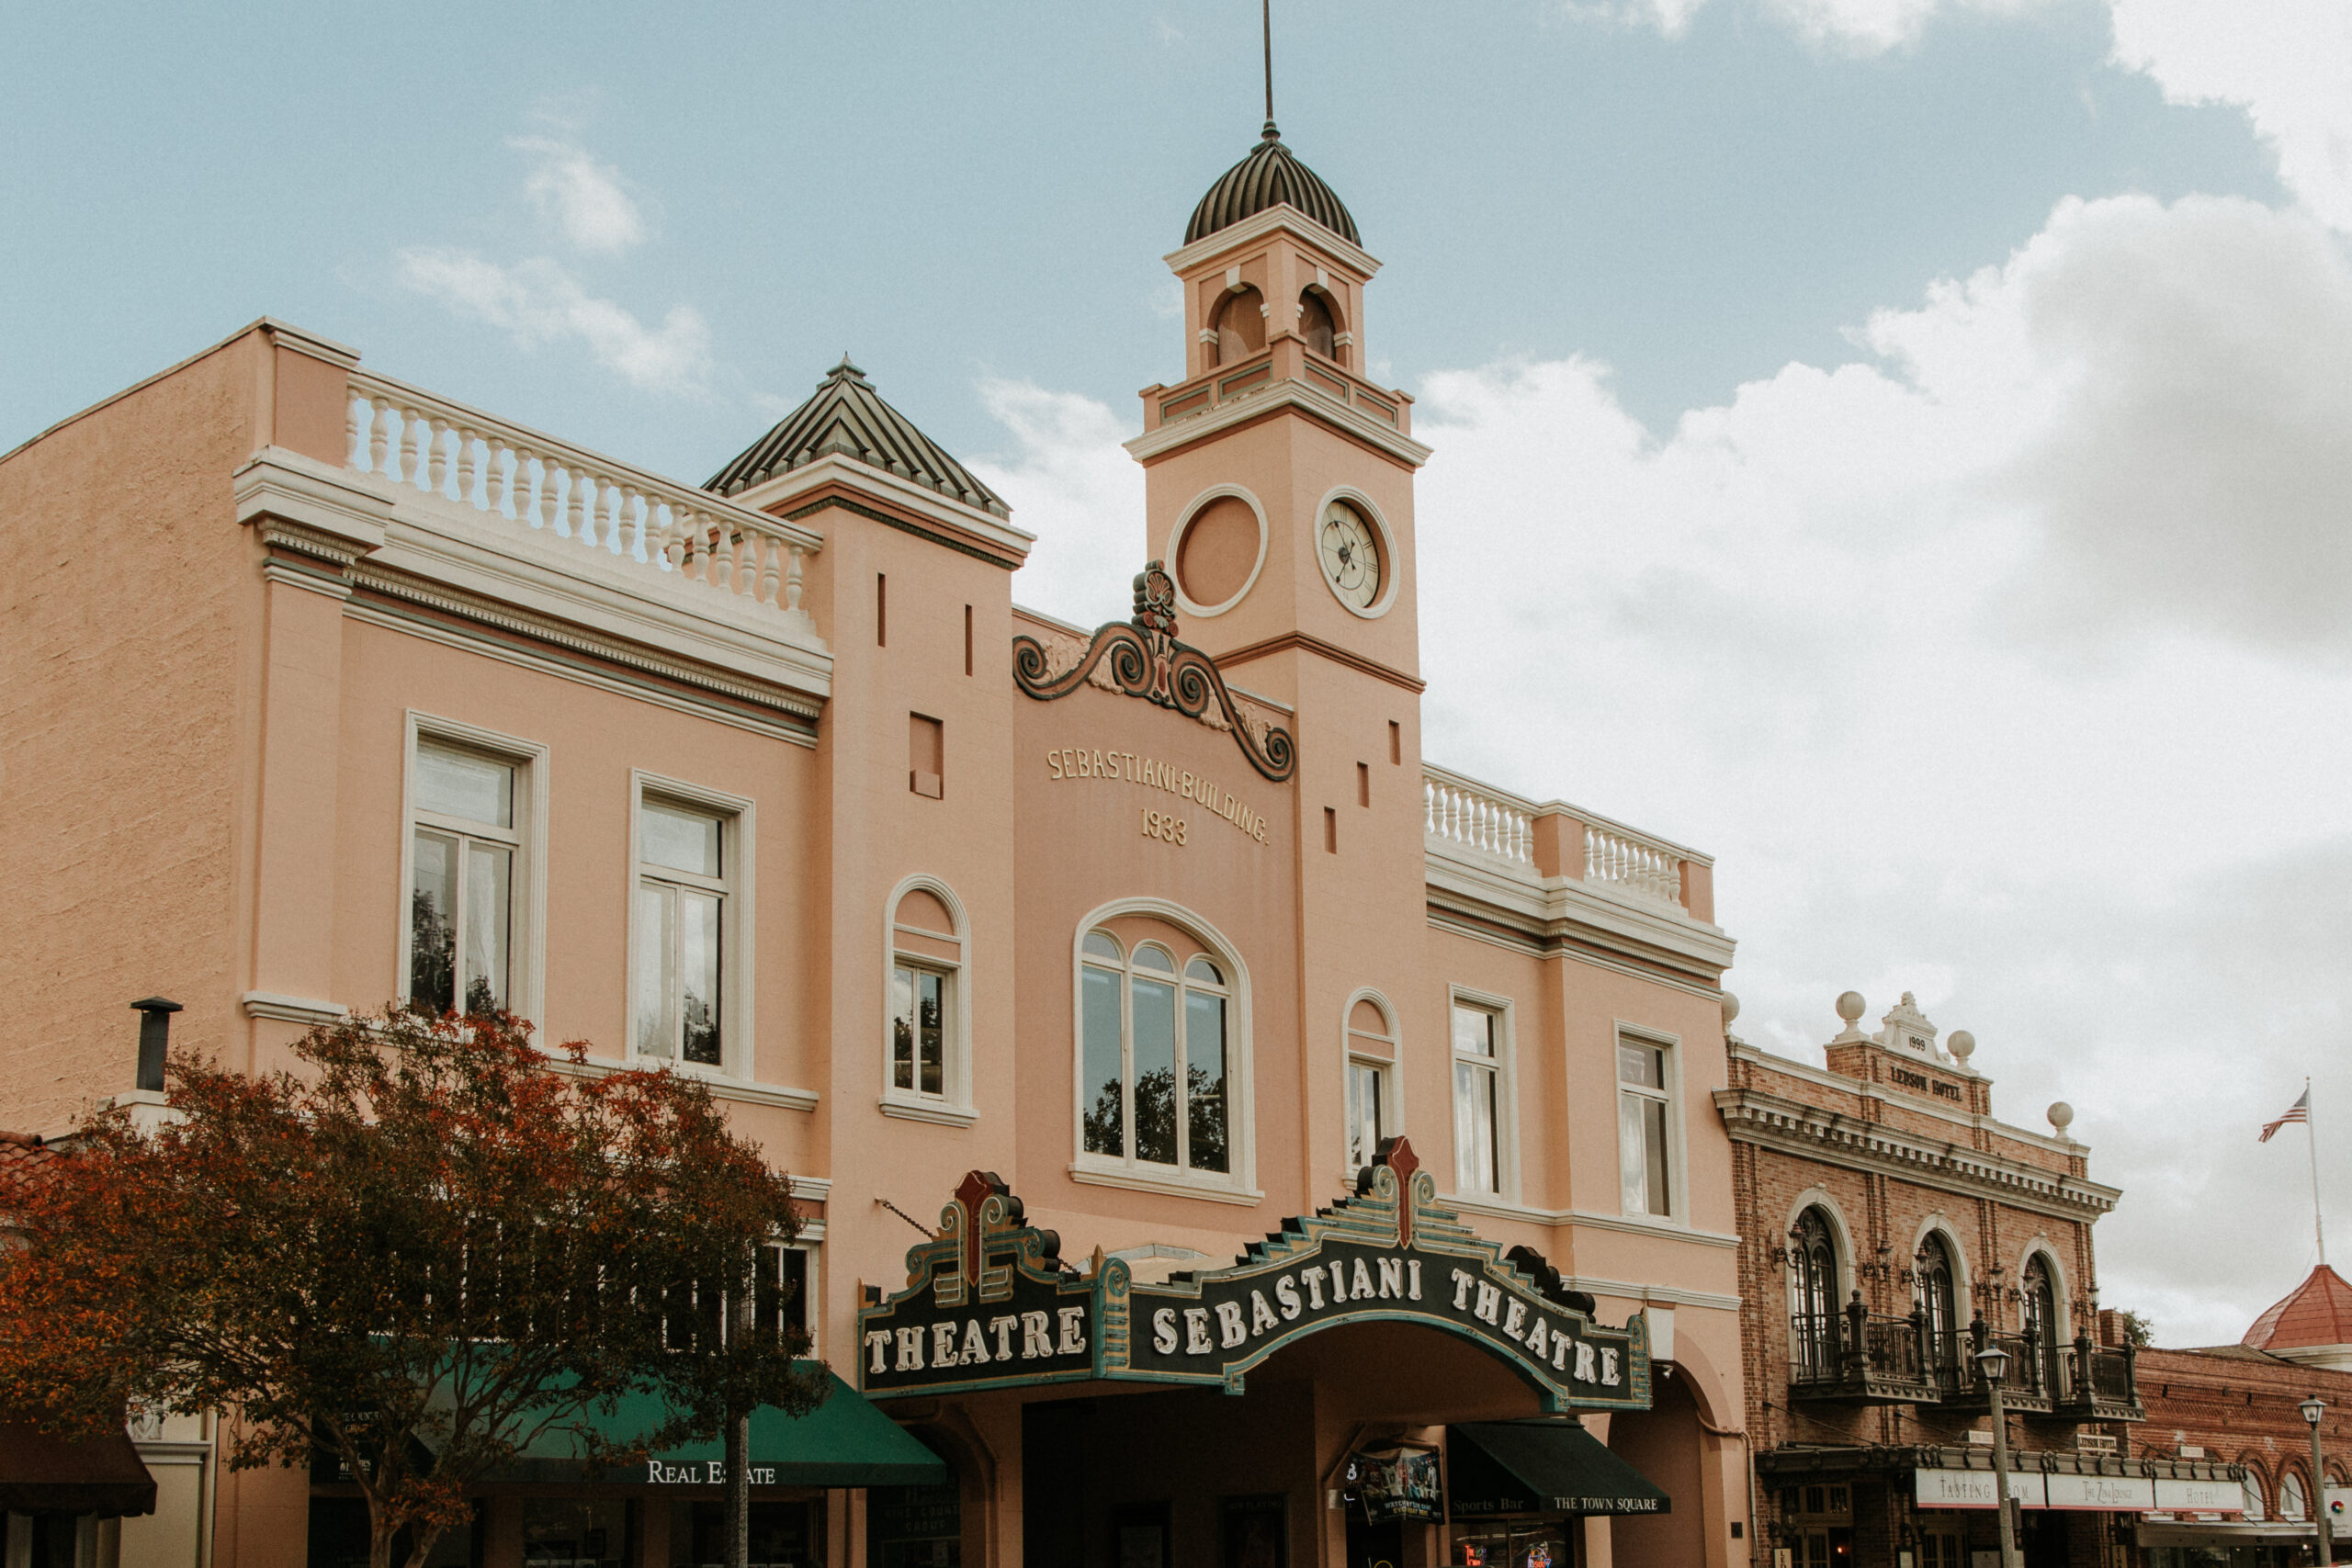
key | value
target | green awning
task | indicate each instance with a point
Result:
(845, 1441)
(1540, 1467)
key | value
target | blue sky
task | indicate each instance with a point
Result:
(1900, 445)
(956, 191)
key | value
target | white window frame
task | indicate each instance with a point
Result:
(810, 1244)
(738, 837)
(1678, 1174)
(1392, 1071)
(1506, 1091)
(1239, 1185)
(955, 1108)
(527, 909)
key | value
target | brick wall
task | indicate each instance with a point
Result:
(2240, 1407)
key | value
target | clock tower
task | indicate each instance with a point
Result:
(1279, 491)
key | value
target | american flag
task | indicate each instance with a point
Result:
(2298, 1111)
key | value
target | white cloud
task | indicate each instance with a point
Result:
(538, 302)
(587, 200)
(1875, 27)
(2005, 664)
(2287, 62)
(1070, 484)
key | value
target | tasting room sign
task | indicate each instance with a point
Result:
(1385, 1254)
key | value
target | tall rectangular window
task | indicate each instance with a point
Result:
(1477, 1099)
(918, 1015)
(780, 1296)
(1371, 1090)
(464, 843)
(1644, 1128)
(681, 924)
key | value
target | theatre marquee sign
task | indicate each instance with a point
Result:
(990, 1304)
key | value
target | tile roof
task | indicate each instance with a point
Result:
(848, 417)
(2317, 1311)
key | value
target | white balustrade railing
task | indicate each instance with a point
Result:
(1461, 814)
(1464, 814)
(514, 478)
(1639, 866)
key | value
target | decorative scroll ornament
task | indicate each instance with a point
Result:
(1143, 660)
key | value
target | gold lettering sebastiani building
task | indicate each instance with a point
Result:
(1311, 1147)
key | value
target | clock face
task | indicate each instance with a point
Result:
(1350, 552)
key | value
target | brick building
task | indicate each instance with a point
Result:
(2241, 1404)
(1890, 1226)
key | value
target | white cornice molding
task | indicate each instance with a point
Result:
(1274, 396)
(1652, 1295)
(308, 1012)
(287, 335)
(1259, 226)
(741, 1090)
(778, 489)
(1809, 1133)
(1497, 1209)
(1133, 1182)
(1546, 909)
(544, 572)
(286, 486)
(568, 636)
(938, 1114)
(815, 1188)
(797, 730)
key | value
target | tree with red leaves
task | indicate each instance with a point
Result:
(428, 1249)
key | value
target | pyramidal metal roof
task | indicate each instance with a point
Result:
(847, 417)
(2317, 1311)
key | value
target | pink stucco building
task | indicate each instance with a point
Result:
(360, 695)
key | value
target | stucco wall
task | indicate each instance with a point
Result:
(124, 697)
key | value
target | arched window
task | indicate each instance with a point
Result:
(2039, 1313)
(2293, 1502)
(1813, 1297)
(1372, 1081)
(1240, 326)
(1937, 1302)
(2252, 1486)
(1161, 1051)
(1315, 323)
(926, 1069)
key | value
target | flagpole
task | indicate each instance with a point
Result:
(2310, 1129)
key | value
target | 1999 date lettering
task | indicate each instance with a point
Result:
(1168, 830)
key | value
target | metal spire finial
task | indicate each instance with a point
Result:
(1266, 22)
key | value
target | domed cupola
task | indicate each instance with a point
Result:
(1270, 176)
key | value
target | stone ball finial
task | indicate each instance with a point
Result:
(1850, 1006)
(2062, 1116)
(1962, 1045)
(1731, 1009)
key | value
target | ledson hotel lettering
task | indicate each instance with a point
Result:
(1364, 1178)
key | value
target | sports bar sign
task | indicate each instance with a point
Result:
(1386, 1254)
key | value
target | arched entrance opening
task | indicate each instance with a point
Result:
(1664, 1443)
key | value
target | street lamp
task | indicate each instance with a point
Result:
(2314, 1408)
(1993, 1363)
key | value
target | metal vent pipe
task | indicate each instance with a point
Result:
(154, 1038)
